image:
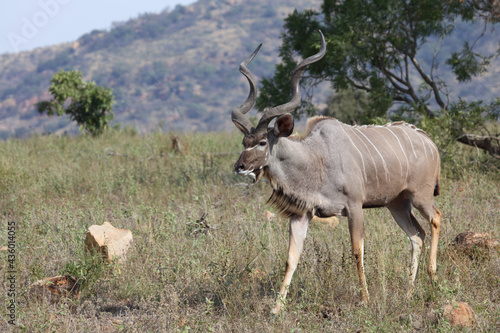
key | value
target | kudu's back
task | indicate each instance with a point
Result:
(376, 163)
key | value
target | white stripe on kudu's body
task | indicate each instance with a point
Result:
(367, 150)
(402, 149)
(379, 154)
(359, 152)
(411, 142)
(334, 170)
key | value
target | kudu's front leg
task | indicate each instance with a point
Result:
(298, 232)
(356, 229)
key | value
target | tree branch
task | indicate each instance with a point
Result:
(431, 83)
(401, 98)
(434, 67)
(483, 142)
(391, 77)
(359, 85)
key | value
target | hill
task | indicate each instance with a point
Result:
(178, 69)
(174, 68)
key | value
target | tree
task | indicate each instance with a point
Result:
(85, 102)
(350, 106)
(379, 47)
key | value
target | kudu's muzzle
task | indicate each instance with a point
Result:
(246, 169)
(238, 167)
(242, 168)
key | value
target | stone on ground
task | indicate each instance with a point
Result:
(270, 216)
(475, 245)
(460, 314)
(112, 242)
(56, 287)
(330, 221)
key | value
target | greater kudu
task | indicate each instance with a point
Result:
(337, 169)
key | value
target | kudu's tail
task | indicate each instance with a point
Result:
(437, 188)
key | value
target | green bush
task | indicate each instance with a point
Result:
(89, 105)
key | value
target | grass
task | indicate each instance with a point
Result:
(221, 272)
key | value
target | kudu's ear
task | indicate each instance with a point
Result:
(241, 127)
(284, 125)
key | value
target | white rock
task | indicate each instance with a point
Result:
(110, 241)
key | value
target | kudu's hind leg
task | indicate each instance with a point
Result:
(298, 232)
(432, 214)
(400, 209)
(356, 229)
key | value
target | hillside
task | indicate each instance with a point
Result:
(173, 69)
(178, 69)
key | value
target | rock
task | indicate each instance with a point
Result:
(475, 245)
(108, 240)
(56, 287)
(270, 216)
(330, 221)
(471, 238)
(460, 314)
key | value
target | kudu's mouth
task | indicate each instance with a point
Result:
(255, 174)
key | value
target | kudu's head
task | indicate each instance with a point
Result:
(253, 160)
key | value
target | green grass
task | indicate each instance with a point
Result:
(182, 276)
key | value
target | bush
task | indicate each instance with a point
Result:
(90, 105)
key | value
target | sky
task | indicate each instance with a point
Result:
(28, 24)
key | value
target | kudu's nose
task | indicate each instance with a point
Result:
(238, 166)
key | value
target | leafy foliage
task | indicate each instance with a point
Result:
(89, 105)
(88, 270)
(349, 106)
(378, 46)
(467, 63)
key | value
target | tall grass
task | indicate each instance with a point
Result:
(220, 273)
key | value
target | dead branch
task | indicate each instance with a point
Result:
(489, 143)
(201, 226)
(176, 144)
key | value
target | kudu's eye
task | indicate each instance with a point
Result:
(263, 143)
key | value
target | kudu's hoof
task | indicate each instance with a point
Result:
(274, 314)
(275, 311)
(363, 302)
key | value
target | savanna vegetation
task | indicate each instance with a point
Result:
(205, 258)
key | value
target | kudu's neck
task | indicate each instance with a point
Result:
(288, 159)
(295, 176)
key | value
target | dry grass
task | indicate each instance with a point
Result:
(221, 274)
